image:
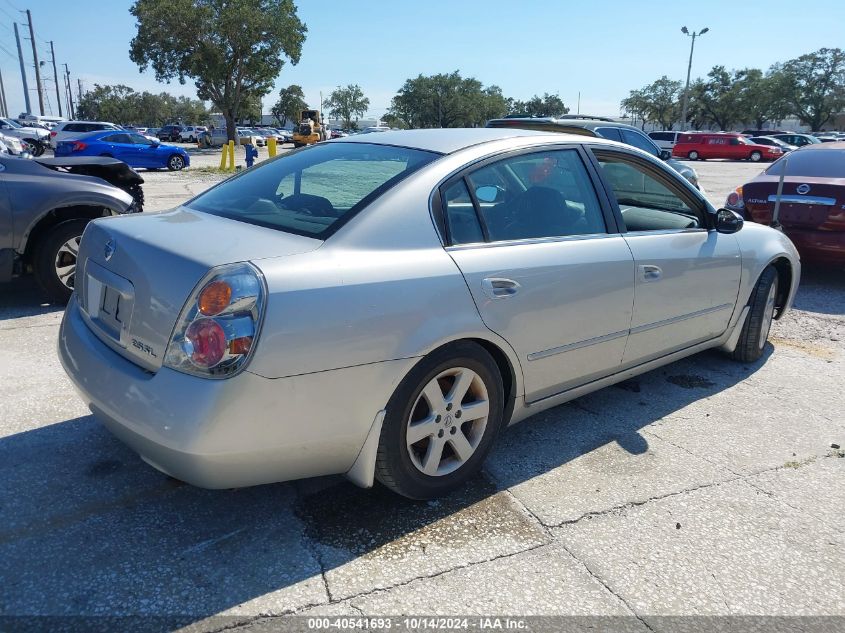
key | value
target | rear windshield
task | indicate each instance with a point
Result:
(821, 163)
(314, 191)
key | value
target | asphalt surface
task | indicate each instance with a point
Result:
(707, 487)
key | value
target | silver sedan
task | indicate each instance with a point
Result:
(383, 305)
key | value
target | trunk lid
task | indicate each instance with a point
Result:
(135, 273)
(806, 202)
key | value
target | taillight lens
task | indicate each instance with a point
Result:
(217, 329)
(78, 146)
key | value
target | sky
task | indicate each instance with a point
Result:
(602, 49)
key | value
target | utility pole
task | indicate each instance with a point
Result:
(35, 57)
(3, 106)
(23, 70)
(56, 78)
(69, 93)
(693, 35)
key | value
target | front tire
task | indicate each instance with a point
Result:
(175, 163)
(441, 422)
(693, 155)
(54, 259)
(758, 323)
(755, 157)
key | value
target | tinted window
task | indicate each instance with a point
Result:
(545, 194)
(461, 218)
(646, 202)
(313, 191)
(117, 138)
(819, 163)
(74, 127)
(662, 136)
(640, 141)
(138, 139)
(610, 133)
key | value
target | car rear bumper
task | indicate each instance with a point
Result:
(242, 431)
(819, 246)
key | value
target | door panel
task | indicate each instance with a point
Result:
(565, 306)
(691, 295)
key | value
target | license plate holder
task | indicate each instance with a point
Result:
(109, 300)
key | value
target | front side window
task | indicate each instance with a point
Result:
(640, 141)
(312, 192)
(537, 195)
(647, 203)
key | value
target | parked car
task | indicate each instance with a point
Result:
(704, 145)
(46, 211)
(603, 127)
(68, 130)
(665, 139)
(798, 140)
(372, 306)
(254, 137)
(191, 133)
(13, 145)
(762, 132)
(772, 142)
(36, 137)
(338, 134)
(812, 202)
(172, 133)
(133, 149)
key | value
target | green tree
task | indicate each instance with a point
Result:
(657, 102)
(762, 98)
(108, 103)
(392, 120)
(814, 85)
(346, 103)
(233, 50)
(447, 100)
(290, 105)
(636, 104)
(718, 100)
(122, 105)
(547, 105)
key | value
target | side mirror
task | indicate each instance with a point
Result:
(665, 154)
(487, 193)
(728, 221)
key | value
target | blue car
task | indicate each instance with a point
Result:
(133, 149)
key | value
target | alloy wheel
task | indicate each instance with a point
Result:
(66, 261)
(447, 421)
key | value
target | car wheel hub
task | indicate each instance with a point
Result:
(66, 261)
(447, 421)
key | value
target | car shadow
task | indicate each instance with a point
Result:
(822, 289)
(86, 528)
(22, 297)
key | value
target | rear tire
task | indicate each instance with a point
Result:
(54, 259)
(755, 330)
(693, 155)
(454, 401)
(755, 157)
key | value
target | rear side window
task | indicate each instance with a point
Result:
(314, 191)
(462, 220)
(528, 196)
(74, 127)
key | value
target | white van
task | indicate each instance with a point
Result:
(665, 140)
(47, 121)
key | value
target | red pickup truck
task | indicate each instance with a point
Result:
(702, 145)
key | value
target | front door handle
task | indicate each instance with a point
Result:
(499, 288)
(649, 272)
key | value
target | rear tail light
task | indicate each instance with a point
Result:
(53, 133)
(78, 146)
(217, 329)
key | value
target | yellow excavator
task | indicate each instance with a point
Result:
(310, 129)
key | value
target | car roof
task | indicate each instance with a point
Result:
(559, 123)
(447, 140)
(840, 145)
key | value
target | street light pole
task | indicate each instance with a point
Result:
(693, 35)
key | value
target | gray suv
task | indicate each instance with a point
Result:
(602, 127)
(45, 206)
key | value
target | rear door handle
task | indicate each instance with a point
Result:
(649, 272)
(499, 288)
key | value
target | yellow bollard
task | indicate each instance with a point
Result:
(271, 146)
(231, 155)
(224, 152)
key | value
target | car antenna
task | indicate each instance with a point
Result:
(775, 223)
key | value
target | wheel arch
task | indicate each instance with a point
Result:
(783, 267)
(55, 217)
